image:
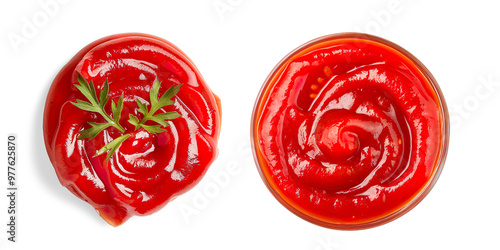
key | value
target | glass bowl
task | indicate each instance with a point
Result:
(262, 163)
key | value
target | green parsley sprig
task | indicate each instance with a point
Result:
(97, 105)
(156, 104)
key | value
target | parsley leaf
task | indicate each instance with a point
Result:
(155, 104)
(97, 104)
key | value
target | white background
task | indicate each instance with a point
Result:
(235, 44)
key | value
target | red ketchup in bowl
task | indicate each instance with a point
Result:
(350, 131)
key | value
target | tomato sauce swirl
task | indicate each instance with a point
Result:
(148, 170)
(350, 131)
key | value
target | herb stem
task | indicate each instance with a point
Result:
(110, 120)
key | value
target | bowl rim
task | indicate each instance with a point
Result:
(441, 157)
